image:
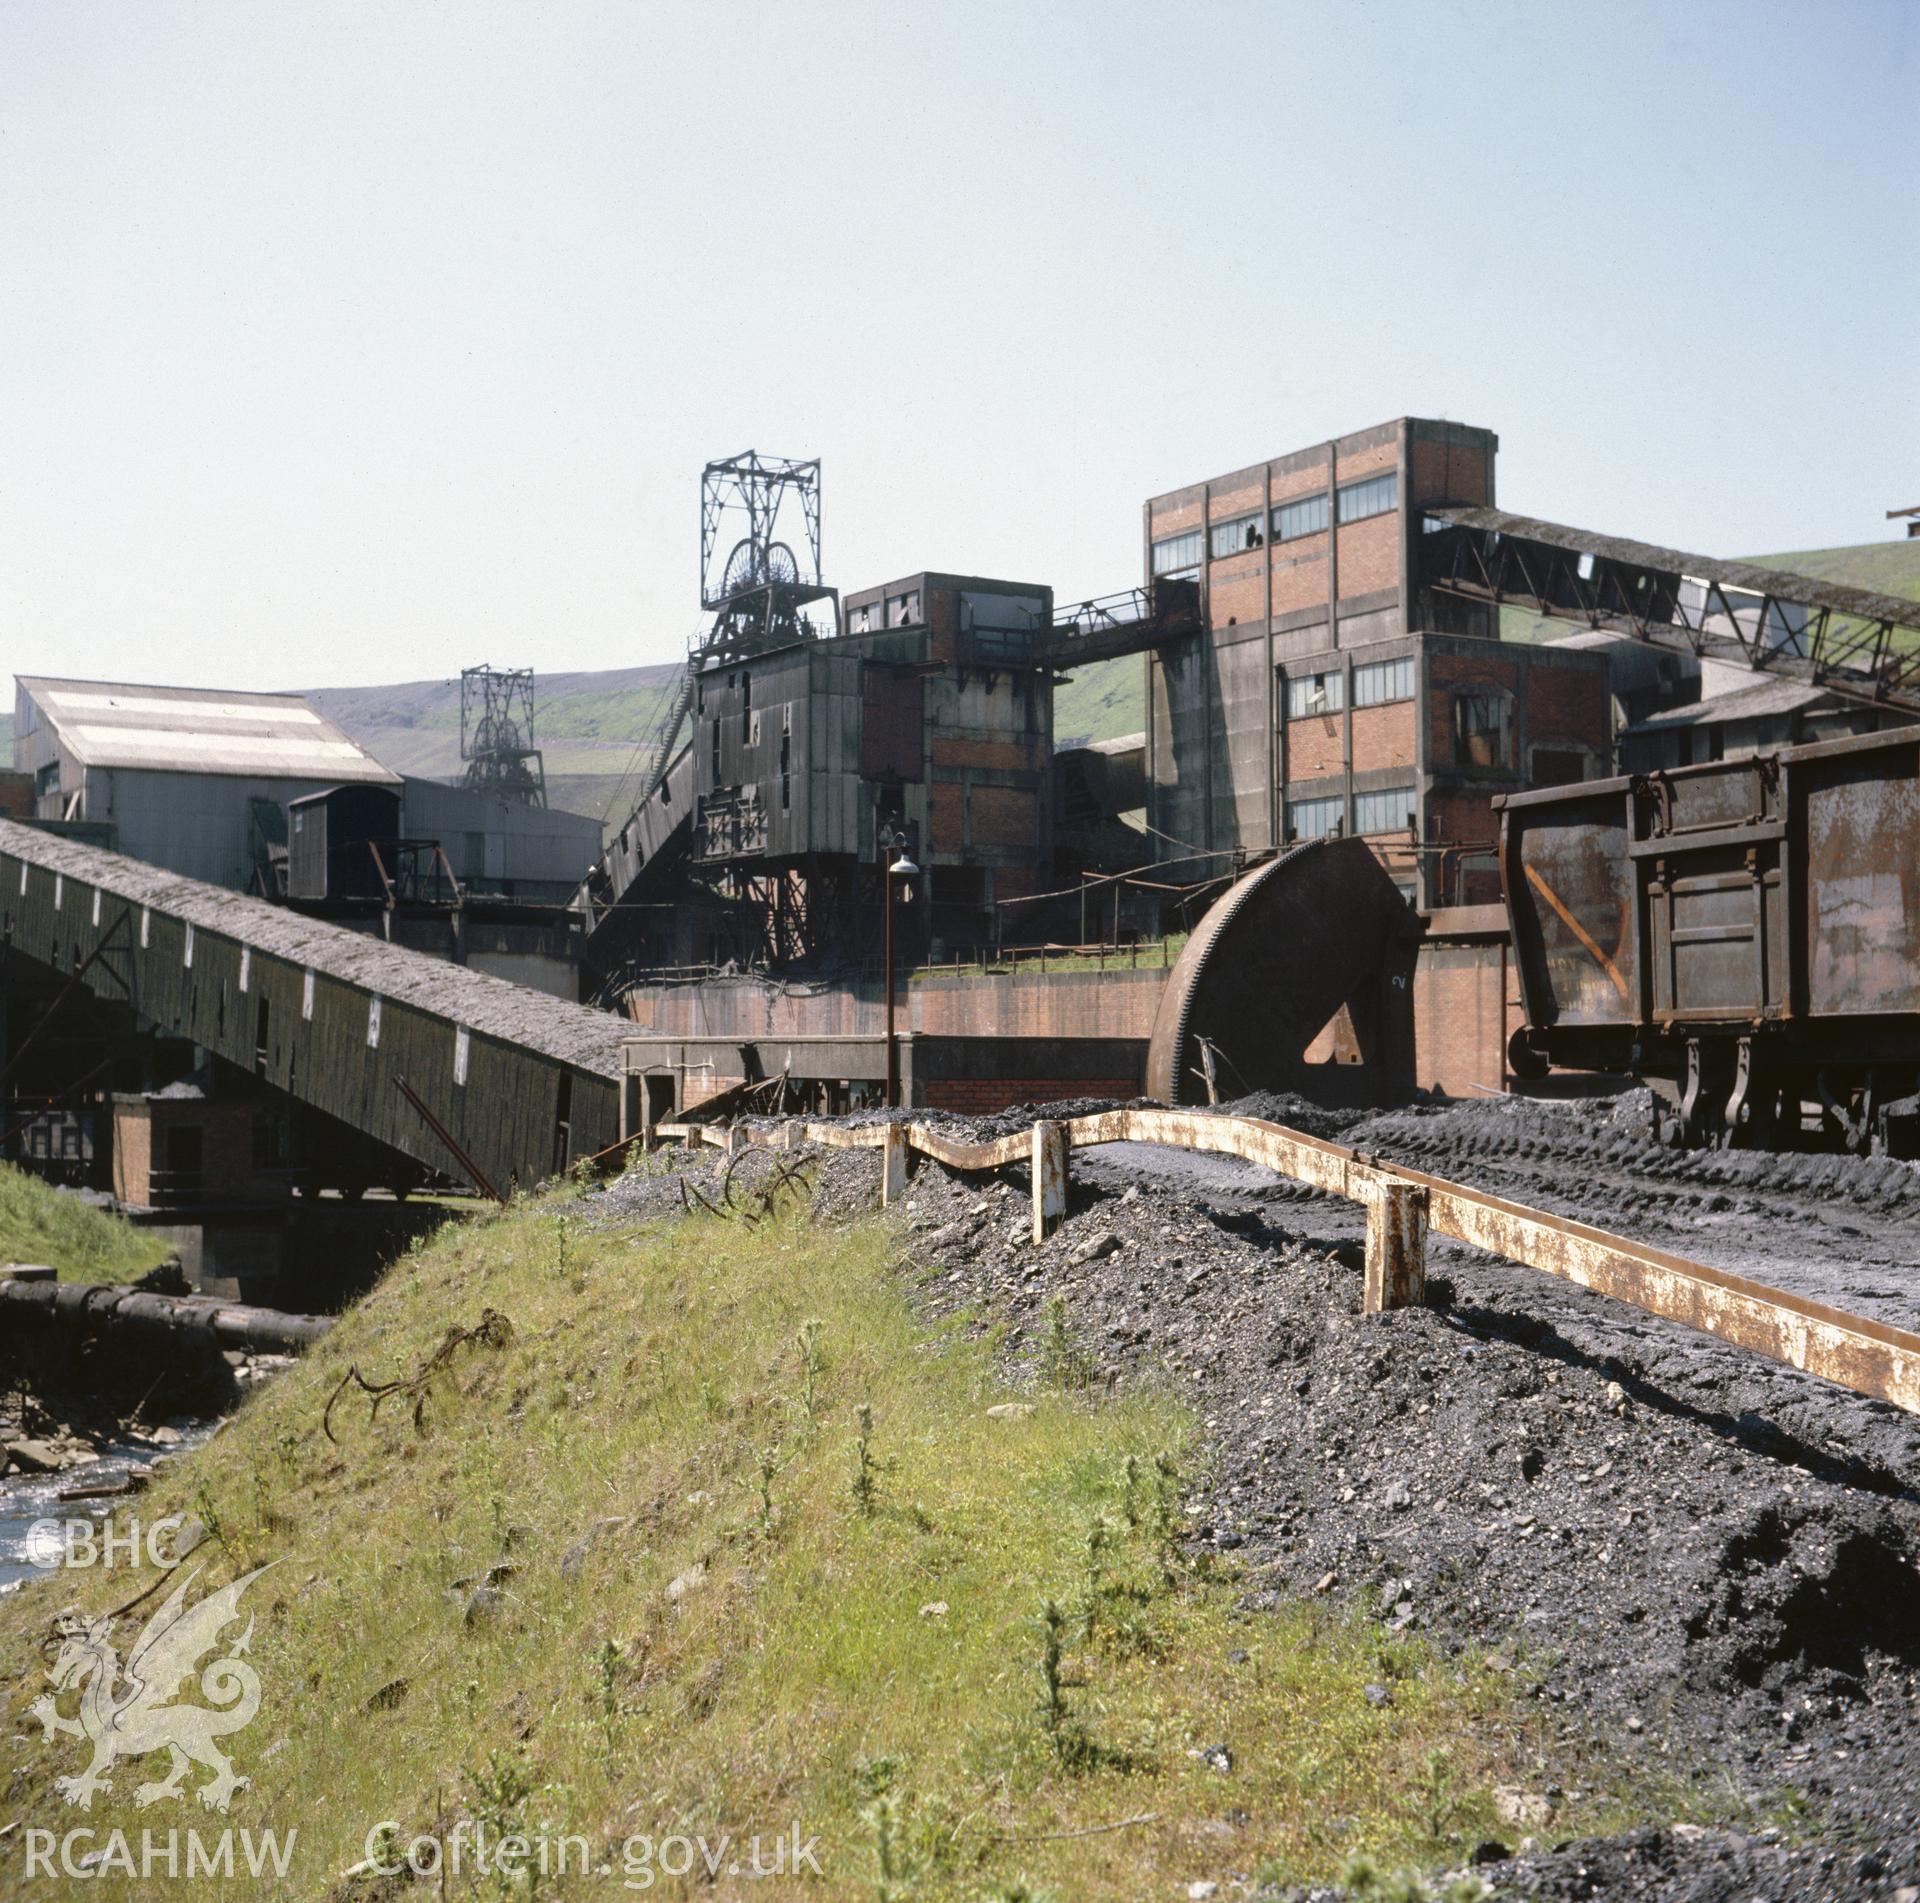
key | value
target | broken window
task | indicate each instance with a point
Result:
(1315, 694)
(1482, 727)
(1230, 538)
(903, 611)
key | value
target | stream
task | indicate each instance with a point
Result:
(26, 1499)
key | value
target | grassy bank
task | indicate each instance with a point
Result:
(39, 1223)
(711, 1537)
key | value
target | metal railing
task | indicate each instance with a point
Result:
(1403, 1207)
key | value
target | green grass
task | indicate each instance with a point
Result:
(864, 1654)
(39, 1223)
(1157, 954)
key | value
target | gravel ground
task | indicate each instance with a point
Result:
(1698, 1556)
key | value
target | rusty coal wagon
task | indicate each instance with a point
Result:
(1744, 935)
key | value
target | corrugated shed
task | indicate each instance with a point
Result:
(194, 730)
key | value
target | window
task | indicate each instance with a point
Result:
(1377, 682)
(1482, 727)
(1308, 516)
(47, 780)
(1230, 538)
(903, 611)
(306, 994)
(461, 1046)
(373, 1024)
(1375, 496)
(1178, 554)
(860, 619)
(1388, 812)
(1315, 694)
(1314, 819)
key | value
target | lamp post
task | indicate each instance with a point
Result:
(894, 841)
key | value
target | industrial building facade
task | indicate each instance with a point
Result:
(1334, 692)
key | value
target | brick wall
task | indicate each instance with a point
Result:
(1463, 1012)
(1300, 574)
(1003, 815)
(1237, 590)
(132, 1152)
(1384, 736)
(1369, 554)
(700, 1085)
(1315, 746)
(1569, 704)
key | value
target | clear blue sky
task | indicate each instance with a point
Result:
(352, 343)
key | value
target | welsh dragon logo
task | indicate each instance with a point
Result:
(128, 1712)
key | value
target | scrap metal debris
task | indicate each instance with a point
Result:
(492, 1330)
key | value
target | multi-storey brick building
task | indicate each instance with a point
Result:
(1335, 691)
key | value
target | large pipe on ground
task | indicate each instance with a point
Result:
(90, 1310)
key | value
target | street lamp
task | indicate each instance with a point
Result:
(895, 842)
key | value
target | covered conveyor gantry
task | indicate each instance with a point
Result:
(466, 1074)
(1854, 642)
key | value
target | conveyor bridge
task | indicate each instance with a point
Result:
(390, 1041)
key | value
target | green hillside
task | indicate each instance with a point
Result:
(590, 726)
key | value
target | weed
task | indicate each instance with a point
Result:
(882, 1817)
(608, 1660)
(768, 1466)
(1100, 1537)
(1068, 1742)
(1065, 1362)
(807, 1340)
(865, 1491)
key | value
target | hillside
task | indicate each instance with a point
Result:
(39, 1223)
(714, 1533)
(591, 728)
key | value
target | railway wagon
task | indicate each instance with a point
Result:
(1744, 935)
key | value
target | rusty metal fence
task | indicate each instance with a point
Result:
(1403, 1208)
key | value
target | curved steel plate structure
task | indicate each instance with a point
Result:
(1271, 963)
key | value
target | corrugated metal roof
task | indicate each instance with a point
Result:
(1783, 585)
(199, 730)
(570, 1033)
(1765, 700)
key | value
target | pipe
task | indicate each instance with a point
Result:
(92, 1308)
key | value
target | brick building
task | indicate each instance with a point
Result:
(1335, 691)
